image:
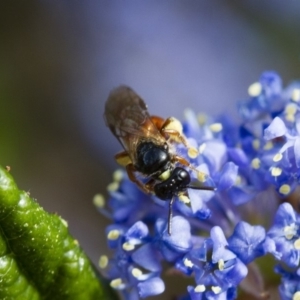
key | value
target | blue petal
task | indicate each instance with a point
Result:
(220, 245)
(247, 241)
(137, 231)
(275, 129)
(228, 176)
(238, 156)
(151, 287)
(271, 83)
(147, 257)
(234, 275)
(297, 151)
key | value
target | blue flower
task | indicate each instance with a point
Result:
(217, 236)
(283, 238)
(247, 241)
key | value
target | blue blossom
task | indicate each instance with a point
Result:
(217, 236)
(284, 236)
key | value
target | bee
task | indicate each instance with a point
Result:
(149, 147)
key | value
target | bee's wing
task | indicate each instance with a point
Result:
(127, 117)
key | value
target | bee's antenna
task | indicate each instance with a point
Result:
(205, 188)
(170, 216)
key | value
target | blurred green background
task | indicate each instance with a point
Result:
(60, 59)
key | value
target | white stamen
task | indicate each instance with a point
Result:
(200, 288)
(285, 189)
(254, 89)
(99, 200)
(103, 261)
(113, 234)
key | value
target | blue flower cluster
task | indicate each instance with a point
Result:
(217, 236)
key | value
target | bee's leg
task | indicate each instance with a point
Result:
(200, 175)
(170, 216)
(149, 184)
(172, 129)
(131, 174)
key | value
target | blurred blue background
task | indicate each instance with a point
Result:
(60, 59)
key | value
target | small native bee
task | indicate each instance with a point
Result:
(148, 142)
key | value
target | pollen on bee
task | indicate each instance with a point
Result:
(174, 124)
(254, 89)
(103, 261)
(99, 200)
(165, 175)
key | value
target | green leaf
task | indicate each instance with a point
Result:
(38, 257)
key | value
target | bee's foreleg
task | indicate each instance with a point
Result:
(172, 129)
(131, 174)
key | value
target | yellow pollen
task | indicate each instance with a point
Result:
(200, 288)
(221, 264)
(297, 244)
(202, 118)
(290, 118)
(285, 189)
(202, 148)
(216, 289)
(112, 187)
(113, 235)
(296, 296)
(165, 175)
(268, 145)
(291, 109)
(136, 272)
(188, 263)
(99, 200)
(183, 198)
(256, 144)
(277, 157)
(127, 247)
(216, 127)
(103, 261)
(201, 176)
(118, 175)
(238, 180)
(255, 163)
(276, 171)
(116, 282)
(193, 152)
(290, 231)
(296, 95)
(254, 89)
